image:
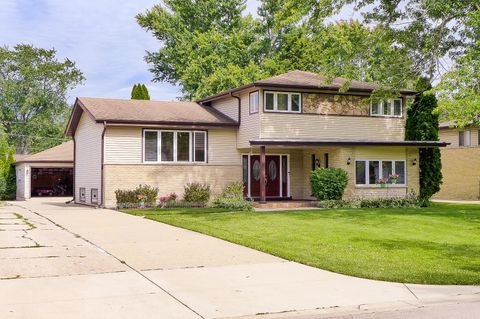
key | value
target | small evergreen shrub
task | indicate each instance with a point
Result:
(232, 198)
(197, 194)
(131, 198)
(328, 183)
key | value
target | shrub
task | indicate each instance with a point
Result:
(130, 198)
(196, 193)
(328, 183)
(232, 198)
(149, 192)
(387, 202)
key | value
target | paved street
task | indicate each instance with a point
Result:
(68, 261)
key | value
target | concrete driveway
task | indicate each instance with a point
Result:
(69, 261)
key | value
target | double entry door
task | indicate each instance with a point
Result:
(277, 177)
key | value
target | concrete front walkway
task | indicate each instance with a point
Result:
(68, 261)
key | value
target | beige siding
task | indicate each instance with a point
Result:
(461, 174)
(289, 125)
(250, 123)
(222, 149)
(451, 136)
(168, 178)
(88, 157)
(228, 106)
(123, 145)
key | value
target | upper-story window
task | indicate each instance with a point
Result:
(254, 102)
(174, 146)
(390, 107)
(464, 138)
(282, 102)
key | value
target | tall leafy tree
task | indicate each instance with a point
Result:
(200, 41)
(422, 125)
(7, 171)
(459, 88)
(219, 54)
(33, 96)
(428, 29)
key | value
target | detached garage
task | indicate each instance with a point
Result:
(48, 173)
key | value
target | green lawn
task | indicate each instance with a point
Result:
(436, 245)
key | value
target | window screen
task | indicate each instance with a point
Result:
(151, 146)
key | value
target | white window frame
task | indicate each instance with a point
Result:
(191, 147)
(392, 108)
(275, 101)
(252, 110)
(367, 172)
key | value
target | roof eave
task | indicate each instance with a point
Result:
(167, 123)
(347, 143)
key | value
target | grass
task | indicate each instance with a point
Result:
(435, 245)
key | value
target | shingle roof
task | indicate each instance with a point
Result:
(62, 153)
(307, 80)
(147, 112)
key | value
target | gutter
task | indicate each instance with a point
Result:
(239, 107)
(74, 161)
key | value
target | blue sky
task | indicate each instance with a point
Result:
(101, 36)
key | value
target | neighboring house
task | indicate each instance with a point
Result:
(460, 163)
(269, 134)
(47, 173)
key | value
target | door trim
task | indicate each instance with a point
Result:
(249, 194)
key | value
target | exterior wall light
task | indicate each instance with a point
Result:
(349, 161)
(414, 162)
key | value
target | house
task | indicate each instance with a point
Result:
(47, 173)
(460, 163)
(269, 134)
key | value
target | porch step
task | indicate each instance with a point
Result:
(285, 204)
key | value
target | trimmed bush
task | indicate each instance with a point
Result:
(232, 198)
(387, 202)
(197, 194)
(131, 198)
(328, 183)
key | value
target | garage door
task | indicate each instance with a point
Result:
(52, 181)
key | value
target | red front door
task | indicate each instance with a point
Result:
(273, 175)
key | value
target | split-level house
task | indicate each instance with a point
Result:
(269, 134)
(460, 162)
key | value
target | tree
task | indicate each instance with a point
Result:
(459, 89)
(7, 171)
(422, 125)
(145, 94)
(140, 92)
(226, 51)
(200, 40)
(429, 30)
(33, 96)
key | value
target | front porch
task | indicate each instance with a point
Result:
(279, 171)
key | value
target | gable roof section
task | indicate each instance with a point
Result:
(305, 80)
(146, 112)
(62, 153)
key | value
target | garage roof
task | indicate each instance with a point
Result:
(62, 153)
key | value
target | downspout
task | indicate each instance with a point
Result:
(103, 159)
(239, 107)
